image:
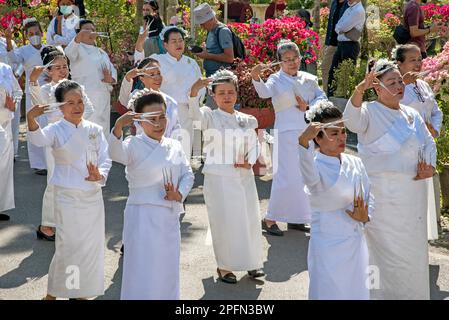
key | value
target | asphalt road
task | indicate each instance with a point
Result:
(24, 260)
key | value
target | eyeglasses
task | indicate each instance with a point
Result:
(291, 59)
(418, 94)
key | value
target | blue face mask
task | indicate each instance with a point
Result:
(66, 10)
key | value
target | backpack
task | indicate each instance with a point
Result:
(401, 34)
(237, 43)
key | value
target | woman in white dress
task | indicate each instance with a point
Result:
(8, 84)
(61, 29)
(82, 165)
(91, 67)
(57, 71)
(338, 188)
(292, 92)
(174, 66)
(231, 147)
(149, 74)
(399, 154)
(30, 56)
(419, 95)
(159, 178)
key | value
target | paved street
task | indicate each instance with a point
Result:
(24, 260)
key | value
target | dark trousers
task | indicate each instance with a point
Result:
(345, 50)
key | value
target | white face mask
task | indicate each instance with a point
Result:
(66, 10)
(35, 40)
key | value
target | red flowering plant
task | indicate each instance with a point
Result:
(15, 11)
(261, 40)
(248, 97)
(391, 20)
(437, 14)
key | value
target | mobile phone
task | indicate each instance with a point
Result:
(195, 49)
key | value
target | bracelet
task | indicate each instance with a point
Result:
(358, 90)
(34, 83)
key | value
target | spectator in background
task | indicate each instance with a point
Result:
(153, 44)
(61, 29)
(238, 11)
(304, 14)
(338, 7)
(414, 22)
(79, 9)
(218, 51)
(349, 29)
(275, 9)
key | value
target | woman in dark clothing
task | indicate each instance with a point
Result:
(276, 9)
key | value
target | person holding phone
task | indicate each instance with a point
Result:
(153, 43)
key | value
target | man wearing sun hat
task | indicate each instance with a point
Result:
(218, 51)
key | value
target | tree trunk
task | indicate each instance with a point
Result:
(316, 16)
(364, 50)
(444, 182)
(172, 5)
(139, 17)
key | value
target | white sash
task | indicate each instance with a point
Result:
(73, 149)
(341, 195)
(391, 142)
(153, 165)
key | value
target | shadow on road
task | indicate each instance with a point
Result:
(34, 266)
(113, 291)
(287, 255)
(435, 292)
(245, 289)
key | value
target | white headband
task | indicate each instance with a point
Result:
(222, 78)
(28, 20)
(138, 94)
(161, 35)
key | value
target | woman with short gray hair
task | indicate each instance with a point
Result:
(292, 93)
(399, 154)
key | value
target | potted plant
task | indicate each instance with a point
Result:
(300, 4)
(262, 40)
(259, 8)
(249, 100)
